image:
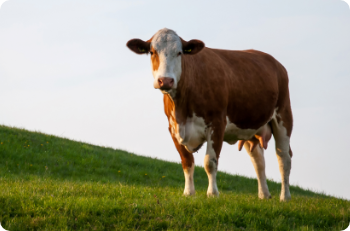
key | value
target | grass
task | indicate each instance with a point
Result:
(51, 183)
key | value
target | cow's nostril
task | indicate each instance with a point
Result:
(165, 83)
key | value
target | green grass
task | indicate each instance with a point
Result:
(51, 183)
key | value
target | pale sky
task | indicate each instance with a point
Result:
(65, 70)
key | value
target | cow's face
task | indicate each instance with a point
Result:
(166, 49)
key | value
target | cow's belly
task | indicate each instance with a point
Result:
(190, 134)
(234, 133)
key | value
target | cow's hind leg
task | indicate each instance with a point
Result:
(258, 160)
(281, 129)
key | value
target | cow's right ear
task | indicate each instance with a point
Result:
(138, 46)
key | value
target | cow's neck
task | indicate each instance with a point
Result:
(183, 97)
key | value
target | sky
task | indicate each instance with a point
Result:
(65, 70)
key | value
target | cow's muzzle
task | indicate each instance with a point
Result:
(165, 83)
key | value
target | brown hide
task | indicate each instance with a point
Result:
(247, 86)
(154, 59)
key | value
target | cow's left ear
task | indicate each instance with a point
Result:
(192, 47)
(139, 46)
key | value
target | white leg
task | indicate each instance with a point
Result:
(283, 156)
(189, 183)
(210, 166)
(258, 160)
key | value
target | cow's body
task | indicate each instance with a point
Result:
(231, 96)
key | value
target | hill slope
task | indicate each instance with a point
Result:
(51, 183)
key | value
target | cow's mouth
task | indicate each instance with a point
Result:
(171, 92)
(165, 88)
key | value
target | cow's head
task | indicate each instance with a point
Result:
(166, 49)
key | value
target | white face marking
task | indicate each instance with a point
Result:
(168, 45)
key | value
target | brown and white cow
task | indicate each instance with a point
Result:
(213, 95)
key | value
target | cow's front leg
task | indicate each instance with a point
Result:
(187, 161)
(211, 167)
(189, 182)
(214, 143)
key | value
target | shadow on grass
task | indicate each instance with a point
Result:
(24, 154)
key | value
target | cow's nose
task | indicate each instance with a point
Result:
(165, 83)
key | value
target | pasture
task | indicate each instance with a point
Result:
(52, 183)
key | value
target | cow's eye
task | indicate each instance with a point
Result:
(179, 53)
(151, 52)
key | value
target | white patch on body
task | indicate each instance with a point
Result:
(191, 134)
(168, 45)
(234, 133)
(189, 183)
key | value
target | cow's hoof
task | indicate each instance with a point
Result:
(285, 198)
(189, 193)
(264, 196)
(213, 194)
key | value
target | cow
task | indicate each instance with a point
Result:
(213, 95)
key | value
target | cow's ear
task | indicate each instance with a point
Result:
(138, 46)
(192, 47)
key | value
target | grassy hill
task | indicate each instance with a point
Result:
(51, 183)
